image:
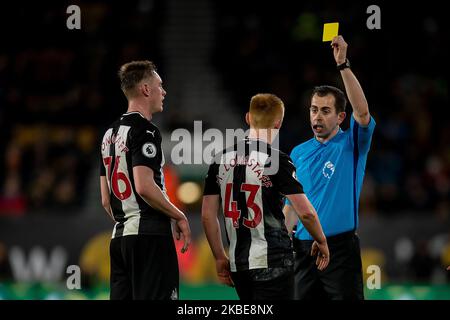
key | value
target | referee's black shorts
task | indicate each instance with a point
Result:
(144, 267)
(341, 280)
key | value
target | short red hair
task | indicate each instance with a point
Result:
(265, 110)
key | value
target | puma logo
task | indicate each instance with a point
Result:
(153, 133)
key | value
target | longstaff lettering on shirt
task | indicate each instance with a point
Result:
(253, 164)
(117, 140)
(244, 161)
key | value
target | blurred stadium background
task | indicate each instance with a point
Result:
(59, 90)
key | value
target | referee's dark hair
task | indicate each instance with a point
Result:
(339, 96)
(131, 73)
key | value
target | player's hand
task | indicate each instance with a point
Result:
(339, 49)
(323, 254)
(223, 272)
(183, 232)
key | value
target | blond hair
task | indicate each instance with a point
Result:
(265, 110)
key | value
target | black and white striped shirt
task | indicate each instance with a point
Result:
(133, 141)
(252, 200)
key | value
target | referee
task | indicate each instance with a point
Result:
(331, 168)
(144, 263)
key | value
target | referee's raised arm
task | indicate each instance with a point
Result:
(353, 88)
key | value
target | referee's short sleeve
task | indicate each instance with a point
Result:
(362, 135)
(211, 185)
(285, 178)
(145, 149)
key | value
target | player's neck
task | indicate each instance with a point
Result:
(261, 134)
(135, 105)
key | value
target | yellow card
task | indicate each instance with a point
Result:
(330, 30)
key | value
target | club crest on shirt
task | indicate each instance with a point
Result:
(328, 169)
(149, 150)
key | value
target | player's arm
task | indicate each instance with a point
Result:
(308, 216)
(352, 86)
(104, 190)
(289, 186)
(147, 188)
(210, 209)
(290, 218)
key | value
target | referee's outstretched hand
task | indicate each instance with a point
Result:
(183, 232)
(323, 254)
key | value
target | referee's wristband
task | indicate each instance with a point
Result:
(344, 65)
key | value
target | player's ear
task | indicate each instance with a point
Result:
(247, 118)
(278, 123)
(341, 117)
(145, 89)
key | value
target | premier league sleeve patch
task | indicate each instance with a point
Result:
(149, 150)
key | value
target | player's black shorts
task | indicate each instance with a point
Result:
(341, 280)
(144, 267)
(265, 284)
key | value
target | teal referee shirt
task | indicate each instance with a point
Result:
(332, 174)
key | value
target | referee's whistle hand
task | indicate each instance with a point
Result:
(323, 254)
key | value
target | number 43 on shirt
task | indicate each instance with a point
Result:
(231, 208)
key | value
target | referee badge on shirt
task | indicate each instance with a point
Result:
(149, 150)
(328, 169)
